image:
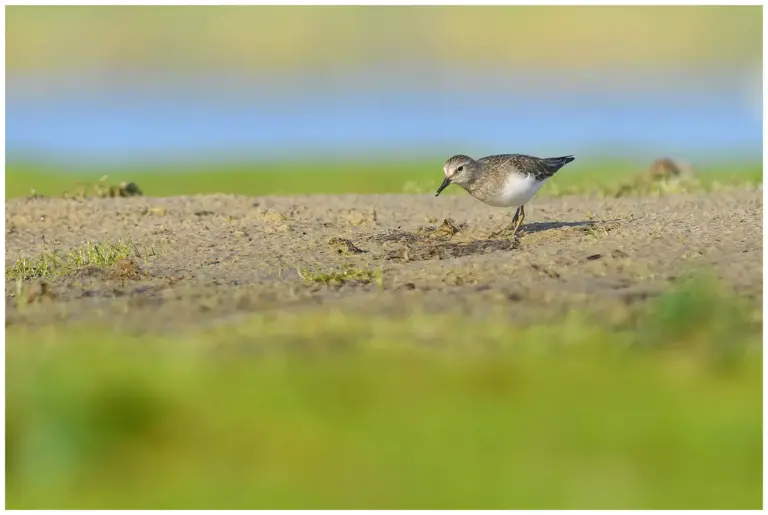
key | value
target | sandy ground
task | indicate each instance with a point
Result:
(211, 259)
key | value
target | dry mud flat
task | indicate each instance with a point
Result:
(210, 259)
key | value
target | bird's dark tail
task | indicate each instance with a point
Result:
(555, 163)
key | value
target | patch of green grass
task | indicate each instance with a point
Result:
(343, 275)
(329, 178)
(48, 265)
(699, 314)
(323, 409)
(246, 179)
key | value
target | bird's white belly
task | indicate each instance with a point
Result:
(517, 191)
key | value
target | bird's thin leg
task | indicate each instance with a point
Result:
(517, 221)
(514, 218)
(505, 230)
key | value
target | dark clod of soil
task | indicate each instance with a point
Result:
(665, 168)
(125, 189)
(126, 269)
(447, 229)
(344, 246)
(40, 292)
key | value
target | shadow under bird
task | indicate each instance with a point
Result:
(505, 180)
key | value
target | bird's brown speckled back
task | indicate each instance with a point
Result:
(494, 171)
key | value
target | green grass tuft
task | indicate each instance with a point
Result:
(49, 265)
(343, 275)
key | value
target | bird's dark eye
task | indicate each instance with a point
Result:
(459, 169)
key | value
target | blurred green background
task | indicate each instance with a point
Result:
(172, 39)
(130, 90)
(327, 410)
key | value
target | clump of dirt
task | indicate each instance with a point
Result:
(664, 175)
(665, 168)
(447, 229)
(344, 246)
(126, 269)
(125, 189)
(40, 292)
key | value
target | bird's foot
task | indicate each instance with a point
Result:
(508, 232)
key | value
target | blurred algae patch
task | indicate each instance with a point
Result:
(325, 410)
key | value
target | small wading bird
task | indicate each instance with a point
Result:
(506, 180)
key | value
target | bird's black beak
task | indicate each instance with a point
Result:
(444, 185)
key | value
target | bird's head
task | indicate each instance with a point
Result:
(459, 169)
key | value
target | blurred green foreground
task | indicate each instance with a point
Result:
(326, 410)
